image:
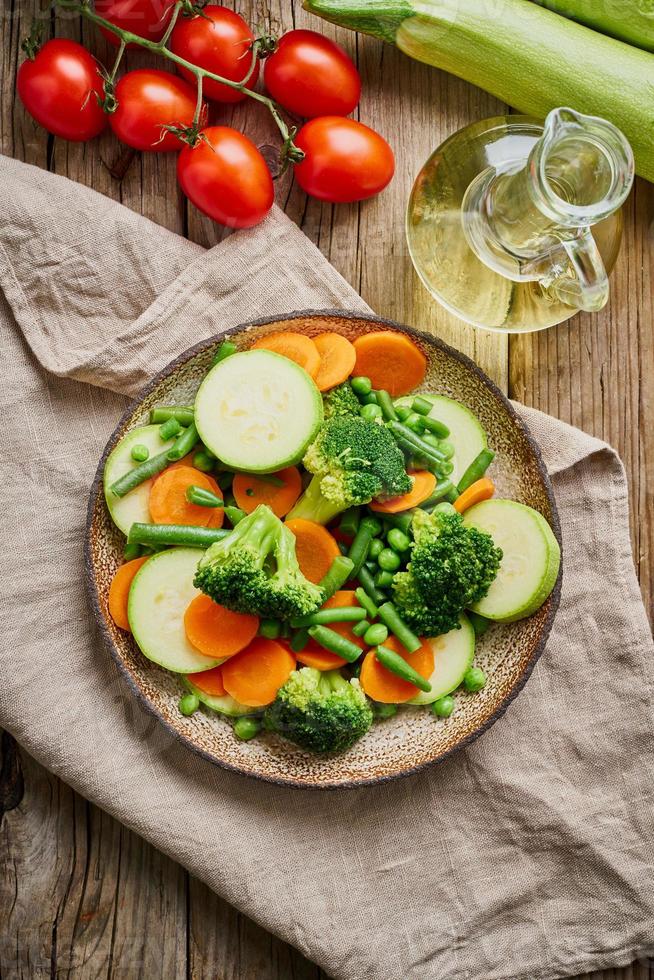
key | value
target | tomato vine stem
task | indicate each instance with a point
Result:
(126, 37)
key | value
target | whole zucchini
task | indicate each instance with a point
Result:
(527, 56)
(629, 20)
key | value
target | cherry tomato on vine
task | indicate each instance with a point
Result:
(219, 40)
(344, 160)
(147, 18)
(312, 76)
(149, 99)
(226, 177)
(58, 87)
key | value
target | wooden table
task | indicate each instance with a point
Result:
(82, 897)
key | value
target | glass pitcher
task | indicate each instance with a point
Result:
(515, 225)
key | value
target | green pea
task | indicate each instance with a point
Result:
(371, 412)
(415, 422)
(373, 524)
(398, 540)
(169, 429)
(188, 704)
(383, 711)
(444, 508)
(375, 634)
(389, 560)
(447, 448)
(246, 728)
(140, 453)
(376, 548)
(361, 385)
(203, 462)
(270, 628)
(474, 679)
(383, 579)
(444, 707)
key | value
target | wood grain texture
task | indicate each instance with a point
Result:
(80, 896)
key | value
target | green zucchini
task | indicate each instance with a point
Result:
(527, 56)
(628, 20)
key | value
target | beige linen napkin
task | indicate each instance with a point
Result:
(529, 855)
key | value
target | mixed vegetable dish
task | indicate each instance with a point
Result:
(311, 544)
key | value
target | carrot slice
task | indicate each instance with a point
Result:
(382, 685)
(337, 359)
(479, 490)
(391, 360)
(315, 548)
(119, 591)
(250, 491)
(296, 346)
(209, 681)
(168, 503)
(254, 675)
(216, 631)
(423, 487)
(316, 656)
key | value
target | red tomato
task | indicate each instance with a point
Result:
(148, 100)
(218, 40)
(58, 88)
(147, 18)
(312, 76)
(345, 160)
(226, 177)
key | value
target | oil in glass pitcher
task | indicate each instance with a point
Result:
(515, 225)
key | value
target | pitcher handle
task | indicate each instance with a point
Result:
(588, 288)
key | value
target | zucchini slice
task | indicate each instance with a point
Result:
(453, 655)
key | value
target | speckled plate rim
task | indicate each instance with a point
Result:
(97, 490)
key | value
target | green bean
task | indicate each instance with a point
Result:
(443, 707)
(391, 618)
(224, 480)
(414, 422)
(202, 497)
(368, 584)
(234, 514)
(335, 643)
(299, 640)
(414, 444)
(421, 405)
(270, 628)
(446, 468)
(441, 490)
(188, 704)
(361, 385)
(339, 572)
(401, 521)
(389, 560)
(384, 580)
(385, 402)
(164, 535)
(444, 507)
(183, 414)
(342, 547)
(434, 425)
(398, 540)
(183, 444)
(452, 495)
(140, 453)
(337, 614)
(396, 663)
(355, 669)
(479, 623)
(226, 349)
(371, 412)
(358, 552)
(403, 412)
(375, 634)
(448, 448)
(361, 627)
(383, 711)
(369, 399)
(139, 474)
(131, 551)
(203, 461)
(350, 521)
(247, 728)
(170, 429)
(285, 630)
(366, 602)
(476, 470)
(431, 440)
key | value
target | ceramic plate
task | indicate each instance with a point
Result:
(412, 739)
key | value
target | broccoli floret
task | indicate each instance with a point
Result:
(451, 567)
(353, 460)
(320, 711)
(255, 570)
(341, 401)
